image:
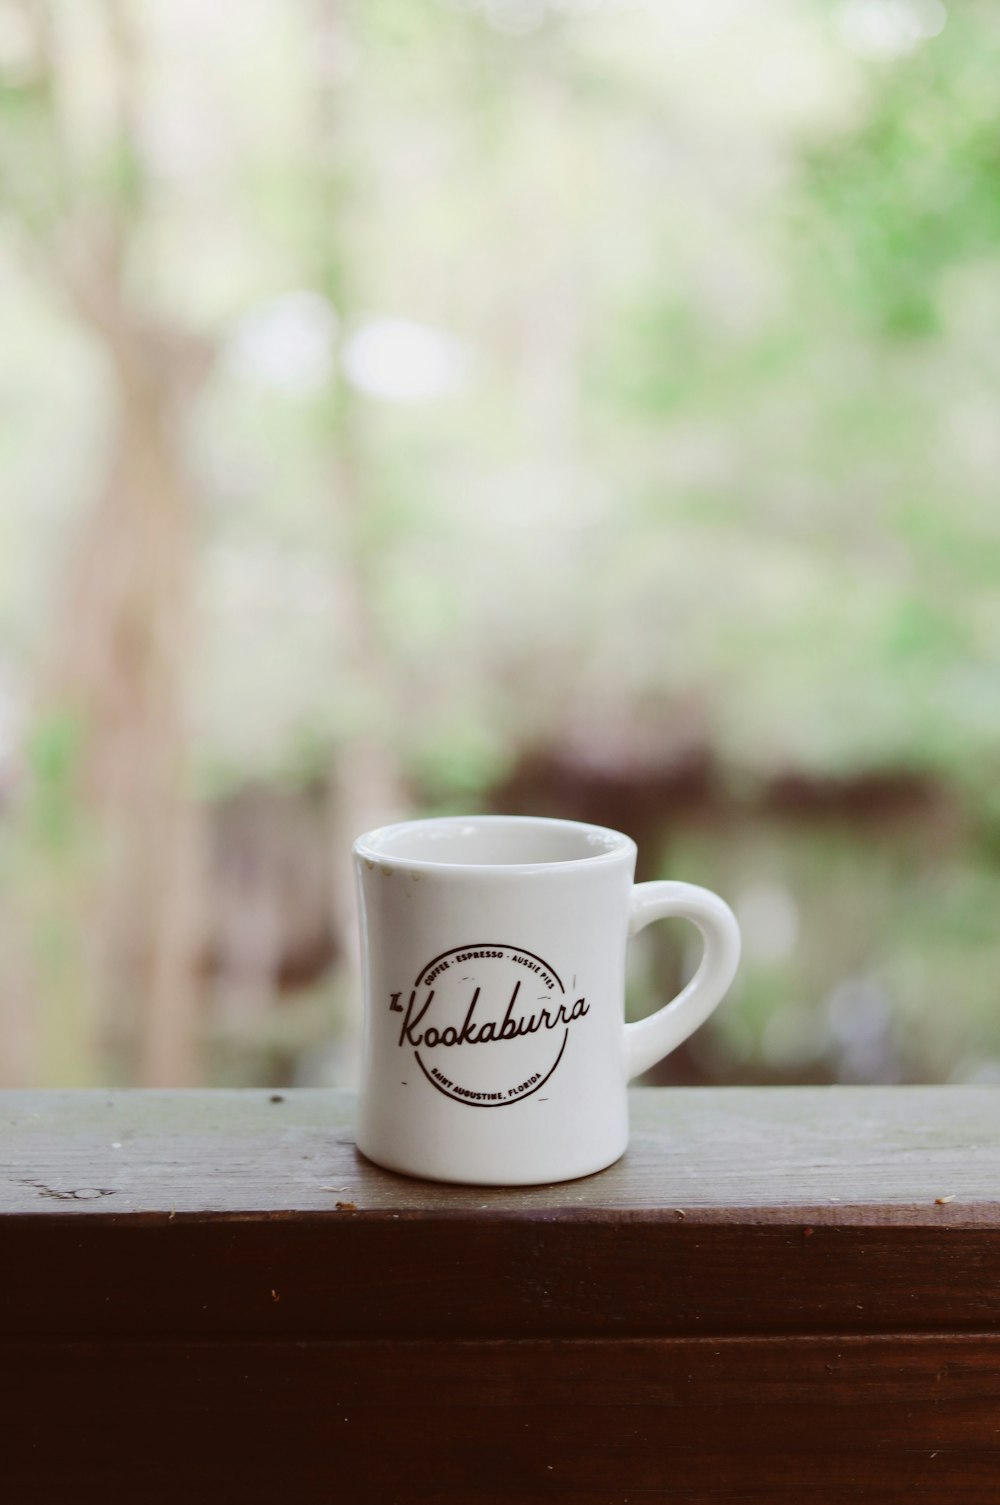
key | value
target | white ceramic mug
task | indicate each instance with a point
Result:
(493, 954)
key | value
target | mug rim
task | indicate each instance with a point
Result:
(370, 846)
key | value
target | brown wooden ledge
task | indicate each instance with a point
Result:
(777, 1294)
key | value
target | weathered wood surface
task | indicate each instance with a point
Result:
(925, 1156)
(776, 1295)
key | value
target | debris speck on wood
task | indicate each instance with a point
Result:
(808, 1232)
(276, 1097)
(347, 1207)
(943, 1201)
(680, 1212)
(275, 1296)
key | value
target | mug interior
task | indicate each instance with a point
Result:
(491, 841)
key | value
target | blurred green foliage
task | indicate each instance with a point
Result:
(658, 345)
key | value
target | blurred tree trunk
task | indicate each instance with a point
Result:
(367, 782)
(118, 670)
(113, 908)
(367, 787)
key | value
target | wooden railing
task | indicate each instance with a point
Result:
(778, 1295)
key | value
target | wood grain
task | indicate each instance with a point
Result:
(836, 1153)
(776, 1295)
(344, 1276)
(699, 1420)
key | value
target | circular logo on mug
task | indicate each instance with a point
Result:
(487, 1024)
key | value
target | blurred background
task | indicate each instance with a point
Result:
(586, 407)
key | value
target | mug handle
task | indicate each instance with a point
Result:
(649, 1040)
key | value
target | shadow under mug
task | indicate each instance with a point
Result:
(493, 958)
